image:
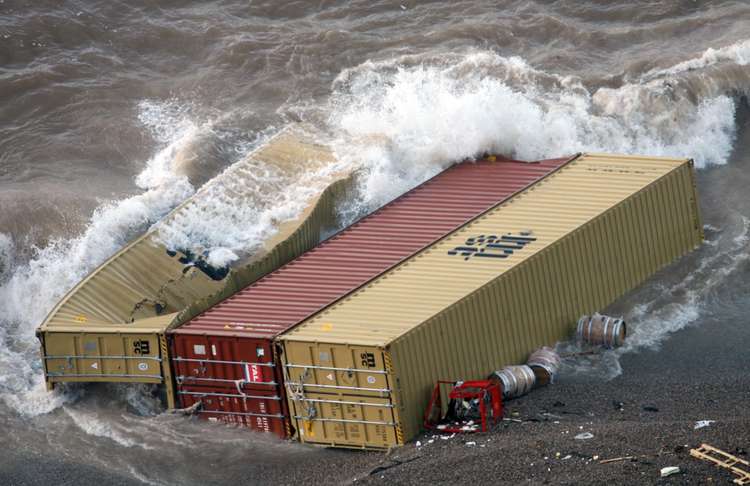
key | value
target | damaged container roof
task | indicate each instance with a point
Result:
(225, 357)
(110, 326)
(360, 372)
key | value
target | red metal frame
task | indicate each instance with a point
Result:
(467, 390)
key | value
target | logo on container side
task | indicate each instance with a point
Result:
(367, 360)
(493, 246)
(141, 347)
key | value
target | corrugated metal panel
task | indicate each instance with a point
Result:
(97, 355)
(247, 363)
(368, 247)
(143, 285)
(341, 395)
(261, 410)
(515, 278)
(335, 267)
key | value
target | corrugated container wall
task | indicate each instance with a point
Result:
(111, 326)
(225, 358)
(359, 374)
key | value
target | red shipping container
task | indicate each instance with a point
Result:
(230, 346)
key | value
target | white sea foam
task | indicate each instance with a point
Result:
(413, 117)
(401, 121)
(93, 424)
(656, 320)
(737, 53)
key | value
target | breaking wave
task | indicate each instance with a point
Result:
(737, 53)
(414, 115)
(243, 206)
(399, 121)
(33, 287)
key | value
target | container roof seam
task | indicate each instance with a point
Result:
(561, 163)
(395, 267)
(394, 339)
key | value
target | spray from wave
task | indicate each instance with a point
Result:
(33, 287)
(738, 53)
(418, 114)
(239, 209)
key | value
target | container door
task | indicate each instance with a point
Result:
(345, 420)
(102, 357)
(339, 395)
(235, 379)
(224, 361)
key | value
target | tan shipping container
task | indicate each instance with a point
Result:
(111, 326)
(360, 372)
(133, 354)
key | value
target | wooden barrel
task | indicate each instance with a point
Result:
(515, 380)
(545, 363)
(599, 330)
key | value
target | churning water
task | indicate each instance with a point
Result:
(111, 115)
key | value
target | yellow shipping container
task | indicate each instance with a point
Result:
(110, 327)
(360, 372)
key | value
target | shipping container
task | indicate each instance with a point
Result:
(359, 373)
(226, 357)
(96, 354)
(111, 326)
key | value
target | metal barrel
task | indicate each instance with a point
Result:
(545, 363)
(601, 330)
(515, 380)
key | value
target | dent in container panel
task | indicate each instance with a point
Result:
(147, 288)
